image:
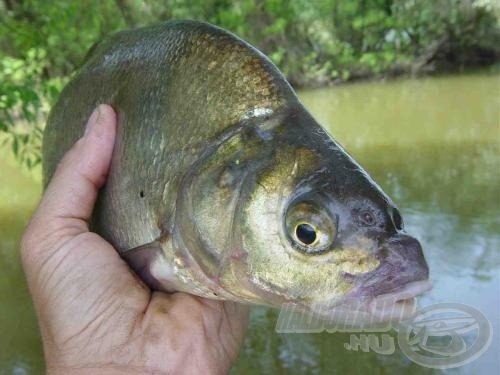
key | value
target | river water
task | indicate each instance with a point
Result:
(433, 146)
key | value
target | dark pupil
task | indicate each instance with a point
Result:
(305, 233)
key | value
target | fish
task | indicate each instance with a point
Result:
(222, 184)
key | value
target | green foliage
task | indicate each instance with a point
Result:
(313, 43)
(41, 45)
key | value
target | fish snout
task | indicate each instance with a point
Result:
(404, 255)
(402, 263)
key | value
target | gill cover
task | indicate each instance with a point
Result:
(211, 199)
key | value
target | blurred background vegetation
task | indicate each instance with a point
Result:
(314, 42)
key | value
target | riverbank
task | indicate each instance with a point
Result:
(408, 70)
(398, 73)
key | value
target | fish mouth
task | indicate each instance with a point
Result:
(369, 311)
(400, 304)
(388, 292)
(410, 290)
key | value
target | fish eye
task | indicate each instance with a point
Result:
(309, 228)
(305, 233)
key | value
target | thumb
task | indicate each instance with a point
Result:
(69, 199)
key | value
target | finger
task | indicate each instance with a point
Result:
(71, 195)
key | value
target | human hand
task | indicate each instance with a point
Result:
(95, 315)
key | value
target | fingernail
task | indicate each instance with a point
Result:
(93, 120)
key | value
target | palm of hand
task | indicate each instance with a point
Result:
(94, 313)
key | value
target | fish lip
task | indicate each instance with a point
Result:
(410, 290)
(362, 311)
(407, 291)
(400, 304)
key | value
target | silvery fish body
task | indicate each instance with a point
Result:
(222, 184)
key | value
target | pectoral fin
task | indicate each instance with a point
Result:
(142, 259)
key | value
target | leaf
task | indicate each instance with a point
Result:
(15, 146)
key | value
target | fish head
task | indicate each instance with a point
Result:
(288, 216)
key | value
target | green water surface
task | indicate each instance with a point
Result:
(432, 144)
